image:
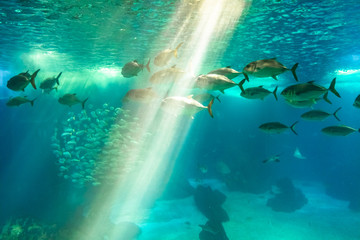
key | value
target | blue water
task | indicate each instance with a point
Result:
(90, 42)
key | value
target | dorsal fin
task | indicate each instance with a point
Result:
(190, 96)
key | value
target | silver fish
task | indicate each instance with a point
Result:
(302, 103)
(318, 115)
(256, 92)
(168, 76)
(131, 69)
(48, 84)
(227, 72)
(165, 56)
(277, 127)
(267, 68)
(142, 95)
(357, 102)
(341, 130)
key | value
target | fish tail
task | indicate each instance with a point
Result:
(241, 83)
(33, 76)
(209, 108)
(274, 92)
(325, 97)
(177, 48)
(335, 114)
(83, 103)
(56, 88)
(148, 65)
(32, 102)
(292, 127)
(332, 88)
(293, 69)
(218, 98)
(57, 79)
(246, 77)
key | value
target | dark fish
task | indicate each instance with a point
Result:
(165, 56)
(341, 130)
(276, 127)
(131, 69)
(357, 102)
(20, 81)
(227, 72)
(71, 99)
(213, 82)
(17, 101)
(48, 84)
(256, 92)
(267, 68)
(318, 115)
(309, 90)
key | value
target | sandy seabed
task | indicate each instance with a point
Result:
(322, 218)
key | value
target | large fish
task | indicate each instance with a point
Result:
(131, 69)
(227, 72)
(48, 84)
(168, 76)
(165, 56)
(318, 115)
(276, 127)
(17, 101)
(205, 97)
(142, 95)
(267, 68)
(213, 82)
(309, 90)
(302, 103)
(20, 81)
(341, 130)
(357, 102)
(185, 106)
(255, 92)
(71, 99)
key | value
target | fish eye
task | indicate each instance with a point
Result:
(247, 66)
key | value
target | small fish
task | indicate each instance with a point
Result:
(213, 82)
(227, 72)
(318, 115)
(298, 154)
(275, 158)
(184, 105)
(67, 154)
(302, 103)
(71, 99)
(276, 127)
(256, 92)
(165, 56)
(168, 76)
(142, 95)
(131, 69)
(20, 81)
(309, 90)
(17, 101)
(48, 84)
(341, 130)
(357, 102)
(267, 68)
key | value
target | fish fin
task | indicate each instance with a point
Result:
(57, 79)
(293, 69)
(33, 76)
(335, 114)
(24, 89)
(209, 108)
(56, 88)
(326, 98)
(218, 98)
(312, 81)
(241, 85)
(148, 65)
(222, 91)
(228, 66)
(246, 77)
(190, 96)
(274, 77)
(83, 103)
(274, 92)
(32, 102)
(332, 88)
(292, 127)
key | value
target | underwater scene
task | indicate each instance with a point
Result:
(180, 120)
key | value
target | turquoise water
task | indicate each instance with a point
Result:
(132, 170)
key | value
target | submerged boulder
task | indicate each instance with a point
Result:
(288, 198)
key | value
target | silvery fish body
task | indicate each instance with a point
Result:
(213, 82)
(276, 127)
(17, 101)
(131, 69)
(71, 99)
(20, 81)
(143, 95)
(168, 76)
(338, 130)
(318, 115)
(357, 102)
(227, 72)
(165, 56)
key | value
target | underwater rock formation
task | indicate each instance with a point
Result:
(96, 147)
(209, 203)
(288, 198)
(213, 230)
